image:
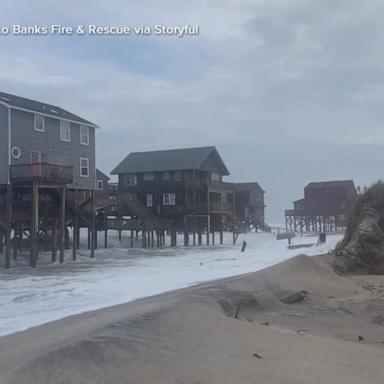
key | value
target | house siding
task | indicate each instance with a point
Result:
(52, 149)
(3, 144)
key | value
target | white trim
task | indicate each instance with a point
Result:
(33, 153)
(97, 185)
(18, 149)
(87, 160)
(88, 136)
(149, 202)
(170, 201)
(43, 122)
(61, 131)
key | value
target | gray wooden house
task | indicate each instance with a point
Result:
(47, 156)
(250, 206)
(33, 132)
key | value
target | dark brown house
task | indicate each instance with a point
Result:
(325, 203)
(249, 202)
(183, 185)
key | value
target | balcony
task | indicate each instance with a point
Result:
(41, 173)
(220, 187)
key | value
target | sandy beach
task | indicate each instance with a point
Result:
(295, 322)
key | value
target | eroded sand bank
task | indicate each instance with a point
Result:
(295, 322)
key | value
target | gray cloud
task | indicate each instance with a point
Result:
(289, 91)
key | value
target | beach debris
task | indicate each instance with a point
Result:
(231, 259)
(235, 301)
(257, 356)
(266, 323)
(302, 332)
(201, 263)
(293, 297)
(360, 338)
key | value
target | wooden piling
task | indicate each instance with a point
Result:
(34, 232)
(8, 227)
(93, 225)
(54, 240)
(62, 226)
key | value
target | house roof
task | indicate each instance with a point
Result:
(247, 186)
(100, 174)
(21, 103)
(170, 160)
(332, 184)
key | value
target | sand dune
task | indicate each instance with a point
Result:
(296, 322)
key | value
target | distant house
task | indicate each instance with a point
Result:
(328, 202)
(249, 202)
(102, 182)
(330, 198)
(33, 132)
(179, 184)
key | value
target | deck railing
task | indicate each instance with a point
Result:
(42, 173)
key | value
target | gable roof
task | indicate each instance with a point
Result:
(101, 175)
(331, 184)
(247, 186)
(21, 103)
(169, 160)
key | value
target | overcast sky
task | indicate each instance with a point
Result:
(289, 91)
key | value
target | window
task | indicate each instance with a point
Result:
(84, 135)
(149, 200)
(130, 180)
(84, 167)
(39, 123)
(16, 153)
(100, 185)
(166, 175)
(35, 157)
(149, 176)
(215, 177)
(169, 198)
(132, 196)
(177, 176)
(65, 131)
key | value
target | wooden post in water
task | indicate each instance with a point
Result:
(132, 238)
(54, 240)
(8, 229)
(93, 225)
(75, 239)
(89, 237)
(1, 240)
(62, 226)
(106, 238)
(34, 224)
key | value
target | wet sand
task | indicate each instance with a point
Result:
(295, 322)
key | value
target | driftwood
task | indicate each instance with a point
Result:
(362, 249)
